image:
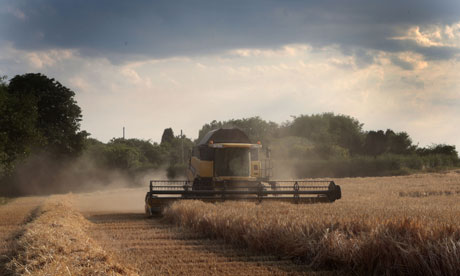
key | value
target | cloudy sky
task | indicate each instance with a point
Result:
(148, 65)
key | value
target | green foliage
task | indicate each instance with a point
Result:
(168, 136)
(179, 152)
(375, 143)
(335, 145)
(328, 129)
(39, 117)
(256, 128)
(18, 133)
(301, 148)
(399, 143)
(439, 149)
(379, 142)
(56, 117)
(151, 155)
(3, 134)
(37, 114)
(324, 145)
(382, 165)
(291, 147)
(39, 120)
(123, 157)
(136, 155)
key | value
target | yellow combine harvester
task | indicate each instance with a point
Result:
(225, 165)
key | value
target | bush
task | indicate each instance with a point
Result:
(383, 165)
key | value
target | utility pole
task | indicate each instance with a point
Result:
(182, 146)
(123, 133)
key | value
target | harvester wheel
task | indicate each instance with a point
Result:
(335, 192)
(148, 209)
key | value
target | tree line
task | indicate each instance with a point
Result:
(134, 156)
(327, 144)
(43, 150)
(40, 137)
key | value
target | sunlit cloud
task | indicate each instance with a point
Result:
(166, 67)
(434, 35)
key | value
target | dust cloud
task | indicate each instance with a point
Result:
(283, 169)
(117, 196)
(44, 175)
(113, 200)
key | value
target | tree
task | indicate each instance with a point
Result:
(256, 128)
(375, 143)
(398, 143)
(122, 156)
(346, 132)
(168, 136)
(150, 154)
(329, 129)
(17, 126)
(49, 113)
(448, 150)
(3, 134)
(176, 149)
(313, 127)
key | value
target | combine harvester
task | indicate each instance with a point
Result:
(225, 165)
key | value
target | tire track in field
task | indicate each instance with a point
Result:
(13, 216)
(156, 248)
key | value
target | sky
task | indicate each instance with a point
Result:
(150, 65)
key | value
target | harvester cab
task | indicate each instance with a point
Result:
(225, 165)
(224, 156)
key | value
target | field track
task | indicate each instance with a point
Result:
(12, 216)
(156, 248)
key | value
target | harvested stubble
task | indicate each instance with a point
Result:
(372, 230)
(55, 243)
(13, 216)
(156, 248)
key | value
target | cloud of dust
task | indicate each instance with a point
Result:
(284, 169)
(95, 188)
(100, 189)
(42, 174)
(283, 164)
(113, 200)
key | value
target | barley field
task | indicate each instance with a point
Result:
(406, 225)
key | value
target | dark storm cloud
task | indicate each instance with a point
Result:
(125, 29)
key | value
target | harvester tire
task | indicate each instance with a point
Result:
(148, 210)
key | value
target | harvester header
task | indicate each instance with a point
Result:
(225, 165)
